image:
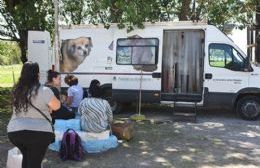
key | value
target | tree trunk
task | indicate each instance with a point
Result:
(185, 9)
(23, 53)
(257, 34)
(23, 45)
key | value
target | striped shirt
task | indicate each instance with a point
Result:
(95, 114)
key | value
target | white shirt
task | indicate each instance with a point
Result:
(76, 92)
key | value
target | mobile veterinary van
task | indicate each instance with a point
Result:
(184, 63)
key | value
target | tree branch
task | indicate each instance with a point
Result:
(8, 21)
(8, 34)
(9, 39)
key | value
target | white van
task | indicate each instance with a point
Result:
(177, 62)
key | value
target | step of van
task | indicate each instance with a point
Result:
(185, 105)
(187, 113)
(184, 117)
(181, 97)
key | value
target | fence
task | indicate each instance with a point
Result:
(9, 75)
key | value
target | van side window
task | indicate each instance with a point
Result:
(225, 56)
(137, 51)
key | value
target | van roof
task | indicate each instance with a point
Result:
(114, 25)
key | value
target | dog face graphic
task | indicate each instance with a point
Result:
(74, 52)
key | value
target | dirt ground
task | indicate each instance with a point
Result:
(217, 139)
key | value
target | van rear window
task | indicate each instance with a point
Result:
(137, 51)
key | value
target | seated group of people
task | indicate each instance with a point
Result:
(95, 113)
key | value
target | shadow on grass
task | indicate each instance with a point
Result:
(214, 141)
(218, 139)
(5, 109)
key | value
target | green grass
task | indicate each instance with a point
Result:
(9, 75)
(5, 108)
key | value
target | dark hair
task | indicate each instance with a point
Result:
(96, 91)
(26, 87)
(94, 82)
(51, 74)
(71, 80)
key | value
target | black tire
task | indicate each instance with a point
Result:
(248, 107)
(116, 107)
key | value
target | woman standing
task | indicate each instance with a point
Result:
(28, 129)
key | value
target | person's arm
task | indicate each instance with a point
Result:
(70, 96)
(109, 112)
(69, 100)
(54, 104)
(81, 108)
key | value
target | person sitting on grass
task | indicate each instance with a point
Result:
(53, 82)
(74, 93)
(95, 112)
(93, 83)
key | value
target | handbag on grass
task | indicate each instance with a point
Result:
(14, 158)
(52, 126)
(124, 130)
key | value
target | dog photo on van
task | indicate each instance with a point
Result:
(74, 52)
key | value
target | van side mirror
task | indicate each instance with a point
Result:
(248, 67)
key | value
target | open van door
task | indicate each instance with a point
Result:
(40, 51)
(182, 65)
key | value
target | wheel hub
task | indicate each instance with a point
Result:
(251, 109)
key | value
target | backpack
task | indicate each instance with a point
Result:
(71, 148)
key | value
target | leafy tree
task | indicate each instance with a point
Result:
(9, 53)
(128, 13)
(73, 12)
(136, 12)
(19, 16)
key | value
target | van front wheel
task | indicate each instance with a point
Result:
(248, 107)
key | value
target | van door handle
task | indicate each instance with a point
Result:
(208, 76)
(156, 75)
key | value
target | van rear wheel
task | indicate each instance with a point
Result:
(248, 107)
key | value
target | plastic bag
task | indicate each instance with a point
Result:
(97, 146)
(63, 125)
(14, 158)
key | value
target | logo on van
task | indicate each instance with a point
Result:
(39, 41)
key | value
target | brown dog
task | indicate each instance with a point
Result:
(74, 52)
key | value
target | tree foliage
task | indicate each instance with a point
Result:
(19, 16)
(132, 13)
(73, 12)
(9, 53)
